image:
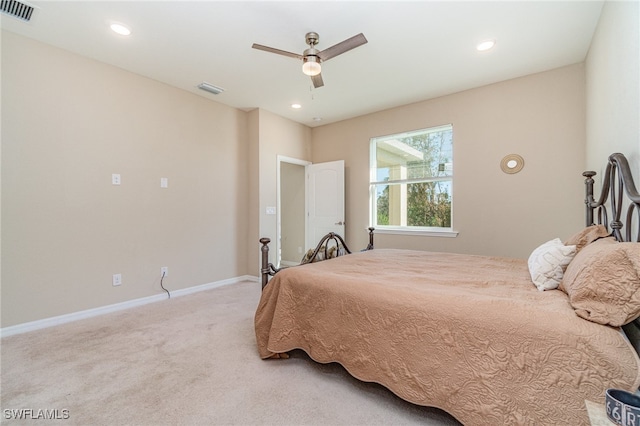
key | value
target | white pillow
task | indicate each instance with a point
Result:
(548, 262)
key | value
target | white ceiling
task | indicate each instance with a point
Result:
(417, 50)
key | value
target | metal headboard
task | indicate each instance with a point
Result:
(618, 181)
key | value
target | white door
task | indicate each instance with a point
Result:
(325, 200)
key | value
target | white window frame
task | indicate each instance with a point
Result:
(373, 183)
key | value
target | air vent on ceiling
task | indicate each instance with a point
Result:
(210, 88)
(17, 9)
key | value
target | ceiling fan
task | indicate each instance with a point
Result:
(312, 57)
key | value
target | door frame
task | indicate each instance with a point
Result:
(290, 160)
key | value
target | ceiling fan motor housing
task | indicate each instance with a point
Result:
(311, 55)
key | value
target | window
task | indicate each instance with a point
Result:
(411, 180)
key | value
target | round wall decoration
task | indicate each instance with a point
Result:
(512, 163)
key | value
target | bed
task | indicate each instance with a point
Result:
(483, 342)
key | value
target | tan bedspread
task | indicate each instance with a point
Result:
(468, 334)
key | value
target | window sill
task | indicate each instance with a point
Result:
(447, 233)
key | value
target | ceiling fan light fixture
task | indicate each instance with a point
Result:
(311, 66)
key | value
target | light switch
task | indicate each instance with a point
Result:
(164, 182)
(271, 210)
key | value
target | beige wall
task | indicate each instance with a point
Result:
(276, 136)
(541, 117)
(68, 123)
(613, 87)
(253, 172)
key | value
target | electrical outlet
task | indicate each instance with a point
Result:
(164, 271)
(115, 179)
(117, 279)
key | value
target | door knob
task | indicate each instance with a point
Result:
(340, 223)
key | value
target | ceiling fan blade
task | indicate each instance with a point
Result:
(317, 81)
(278, 51)
(343, 46)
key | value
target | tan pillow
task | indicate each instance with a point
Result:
(587, 236)
(603, 282)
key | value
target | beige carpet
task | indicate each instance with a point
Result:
(187, 360)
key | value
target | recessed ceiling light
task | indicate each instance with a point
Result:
(296, 106)
(120, 29)
(485, 45)
(317, 118)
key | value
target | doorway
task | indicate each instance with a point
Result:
(310, 201)
(291, 220)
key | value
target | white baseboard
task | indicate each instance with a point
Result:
(75, 316)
